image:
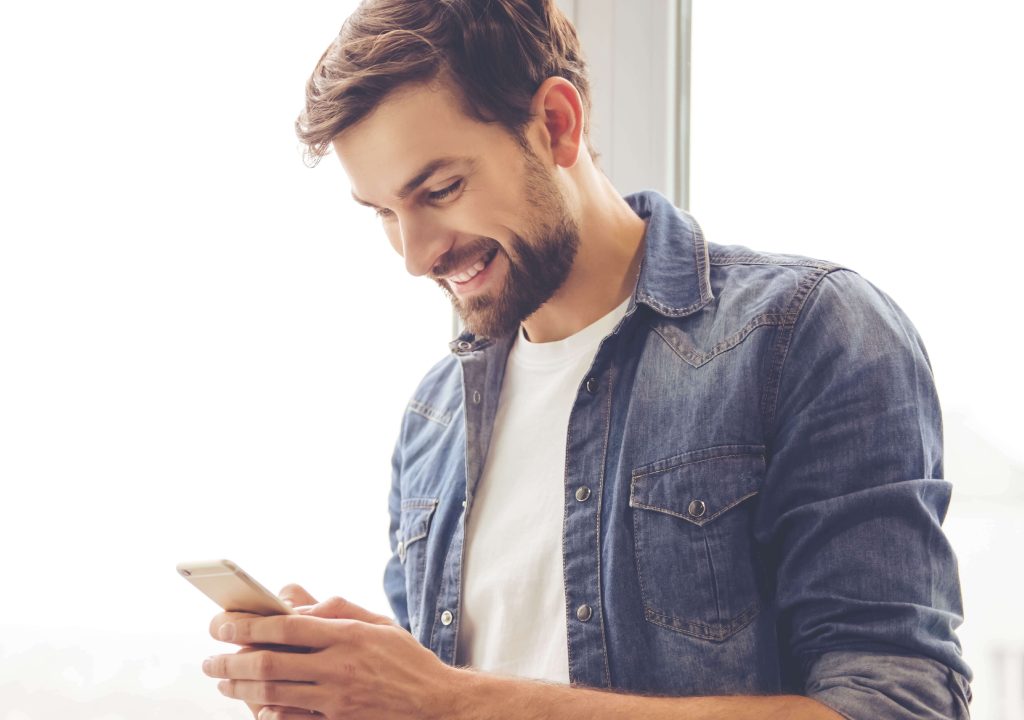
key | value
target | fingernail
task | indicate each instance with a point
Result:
(207, 664)
(226, 632)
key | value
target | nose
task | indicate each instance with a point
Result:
(421, 241)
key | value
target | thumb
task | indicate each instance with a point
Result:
(296, 595)
(337, 608)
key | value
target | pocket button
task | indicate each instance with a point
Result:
(697, 508)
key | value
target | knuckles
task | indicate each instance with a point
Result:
(334, 606)
(270, 694)
(289, 626)
(266, 666)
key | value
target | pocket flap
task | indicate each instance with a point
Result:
(701, 485)
(414, 523)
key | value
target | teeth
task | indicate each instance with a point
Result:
(467, 275)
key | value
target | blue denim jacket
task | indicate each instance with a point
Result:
(762, 445)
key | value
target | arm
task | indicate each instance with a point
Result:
(488, 697)
(850, 513)
(363, 666)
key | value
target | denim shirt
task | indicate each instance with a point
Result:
(753, 489)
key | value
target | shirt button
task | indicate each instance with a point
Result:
(401, 551)
(446, 618)
(463, 503)
(476, 397)
(592, 385)
(584, 613)
(582, 493)
(697, 508)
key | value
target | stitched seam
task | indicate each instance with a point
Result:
(701, 630)
(597, 523)
(699, 523)
(699, 359)
(639, 564)
(754, 259)
(714, 578)
(409, 540)
(420, 503)
(701, 261)
(423, 410)
(637, 475)
(770, 398)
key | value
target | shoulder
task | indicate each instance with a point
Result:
(803, 289)
(741, 276)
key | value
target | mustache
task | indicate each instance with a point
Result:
(458, 257)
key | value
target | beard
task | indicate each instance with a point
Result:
(538, 263)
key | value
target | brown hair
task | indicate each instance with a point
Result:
(494, 53)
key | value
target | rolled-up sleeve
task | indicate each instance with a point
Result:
(864, 685)
(866, 583)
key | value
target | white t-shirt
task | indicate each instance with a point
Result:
(513, 591)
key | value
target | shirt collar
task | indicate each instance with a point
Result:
(675, 272)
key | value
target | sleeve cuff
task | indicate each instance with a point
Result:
(866, 685)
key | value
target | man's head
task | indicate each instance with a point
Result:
(437, 111)
(493, 53)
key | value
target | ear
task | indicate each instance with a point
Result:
(558, 110)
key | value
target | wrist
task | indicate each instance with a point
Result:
(460, 696)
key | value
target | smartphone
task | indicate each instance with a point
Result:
(232, 588)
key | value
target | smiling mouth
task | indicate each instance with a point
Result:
(475, 269)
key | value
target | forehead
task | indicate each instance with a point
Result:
(413, 126)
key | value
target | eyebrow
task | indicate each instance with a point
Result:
(421, 177)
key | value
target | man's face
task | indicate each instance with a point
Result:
(465, 203)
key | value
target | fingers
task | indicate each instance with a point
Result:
(296, 596)
(265, 665)
(225, 617)
(340, 608)
(295, 696)
(294, 630)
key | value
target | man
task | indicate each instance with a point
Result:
(657, 477)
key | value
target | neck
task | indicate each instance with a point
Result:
(604, 272)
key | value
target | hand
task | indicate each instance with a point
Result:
(297, 597)
(361, 666)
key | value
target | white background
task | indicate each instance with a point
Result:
(205, 346)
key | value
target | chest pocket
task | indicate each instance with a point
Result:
(413, 528)
(693, 536)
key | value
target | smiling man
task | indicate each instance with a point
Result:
(656, 477)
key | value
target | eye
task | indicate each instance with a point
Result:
(439, 195)
(383, 213)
